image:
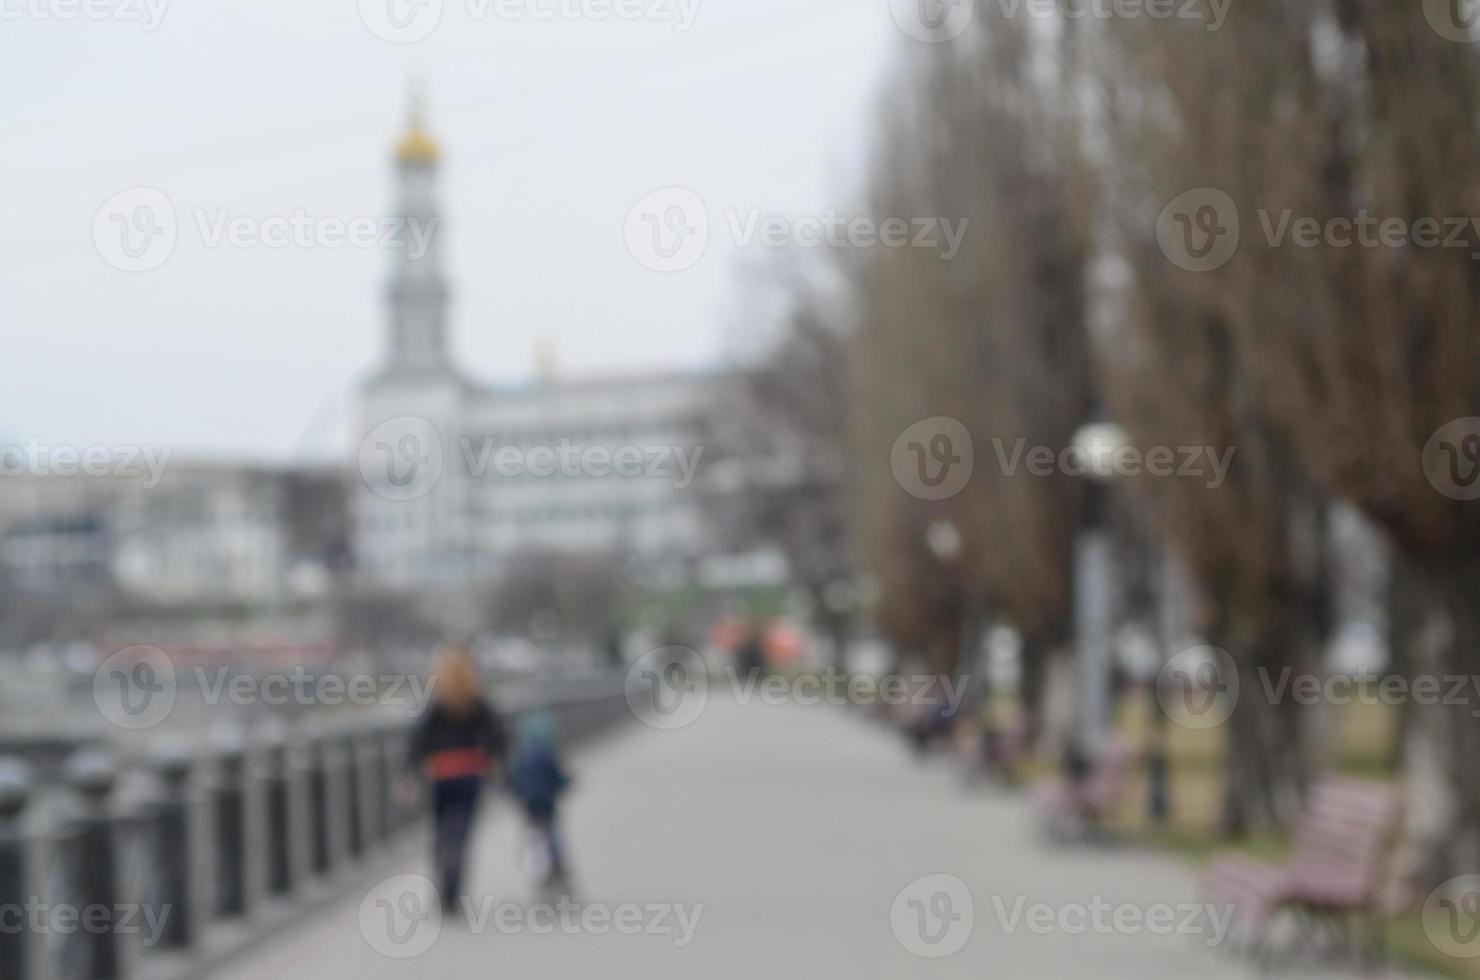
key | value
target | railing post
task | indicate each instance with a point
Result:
(100, 876)
(235, 839)
(20, 952)
(365, 753)
(327, 802)
(353, 823)
(283, 837)
(184, 882)
(386, 785)
(394, 744)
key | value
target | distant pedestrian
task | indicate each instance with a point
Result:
(458, 743)
(750, 655)
(538, 779)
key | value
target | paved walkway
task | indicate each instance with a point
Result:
(804, 833)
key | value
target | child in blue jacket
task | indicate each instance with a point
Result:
(538, 780)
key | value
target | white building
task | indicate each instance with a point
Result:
(193, 532)
(458, 477)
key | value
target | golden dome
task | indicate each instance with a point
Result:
(417, 147)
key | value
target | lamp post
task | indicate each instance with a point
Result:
(943, 539)
(1097, 445)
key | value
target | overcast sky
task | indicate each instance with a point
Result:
(551, 132)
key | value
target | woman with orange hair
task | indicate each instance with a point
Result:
(458, 742)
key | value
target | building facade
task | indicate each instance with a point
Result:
(459, 478)
(205, 532)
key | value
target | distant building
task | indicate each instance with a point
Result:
(206, 532)
(457, 477)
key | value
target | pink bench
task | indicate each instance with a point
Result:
(1076, 810)
(1340, 868)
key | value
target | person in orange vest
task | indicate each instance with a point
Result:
(458, 742)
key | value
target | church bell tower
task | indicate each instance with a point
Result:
(418, 295)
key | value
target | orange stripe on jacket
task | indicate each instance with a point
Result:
(457, 763)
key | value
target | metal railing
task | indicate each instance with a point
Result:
(117, 885)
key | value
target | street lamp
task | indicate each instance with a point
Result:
(943, 539)
(1097, 446)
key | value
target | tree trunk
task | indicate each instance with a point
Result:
(1032, 672)
(1444, 740)
(1267, 755)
